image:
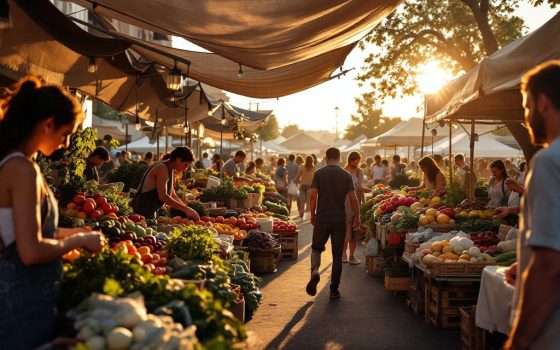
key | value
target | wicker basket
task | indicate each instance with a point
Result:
(265, 260)
(457, 269)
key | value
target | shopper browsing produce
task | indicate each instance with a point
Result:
(353, 232)
(305, 178)
(281, 178)
(36, 118)
(157, 188)
(537, 304)
(433, 177)
(498, 192)
(378, 171)
(331, 186)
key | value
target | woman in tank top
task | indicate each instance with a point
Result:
(35, 118)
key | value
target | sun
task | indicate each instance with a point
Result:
(430, 77)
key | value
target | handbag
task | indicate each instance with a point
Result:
(293, 189)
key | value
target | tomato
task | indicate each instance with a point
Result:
(79, 199)
(162, 262)
(205, 218)
(106, 207)
(100, 201)
(220, 219)
(131, 249)
(144, 250)
(89, 206)
(146, 258)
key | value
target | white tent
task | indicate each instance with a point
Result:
(143, 145)
(486, 147)
(406, 133)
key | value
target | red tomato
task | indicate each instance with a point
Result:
(89, 206)
(220, 219)
(144, 250)
(147, 258)
(100, 201)
(79, 199)
(96, 214)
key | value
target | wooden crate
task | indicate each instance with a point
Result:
(456, 269)
(441, 227)
(415, 298)
(472, 337)
(397, 284)
(410, 247)
(375, 265)
(265, 260)
(289, 246)
(444, 300)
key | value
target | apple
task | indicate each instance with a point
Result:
(106, 207)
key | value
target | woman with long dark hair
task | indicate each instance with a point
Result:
(498, 191)
(433, 177)
(305, 178)
(35, 118)
(353, 233)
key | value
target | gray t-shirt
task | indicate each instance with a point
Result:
(292, 169)
(231, 169)
(333, 184)
(539, 226)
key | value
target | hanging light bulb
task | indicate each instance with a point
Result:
(92, 65)
(223, 121)
(137, 123)
(185, 129)
(240, 72)
(174, 80)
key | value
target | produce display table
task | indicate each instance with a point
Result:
(494, 305)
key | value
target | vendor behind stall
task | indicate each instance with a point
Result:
(498, 192)
(98, 157)
(433, 177)
(156, 188)
(234, 166)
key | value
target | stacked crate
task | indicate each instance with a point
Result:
(444, 301)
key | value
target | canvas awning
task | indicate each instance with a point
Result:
(42, 41)
(263, 34)
(406, 133)
(490, 90)
(486, 147)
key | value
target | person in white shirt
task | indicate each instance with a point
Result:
(536, 322)
(378, 171)
(206, 163)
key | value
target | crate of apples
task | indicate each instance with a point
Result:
(91, 207)
(153, 260)
(283, 227)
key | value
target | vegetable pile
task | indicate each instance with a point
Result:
(260, 240)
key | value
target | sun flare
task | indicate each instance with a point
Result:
(431, 77)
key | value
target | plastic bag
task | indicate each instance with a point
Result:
(293, 189)
(372, 248)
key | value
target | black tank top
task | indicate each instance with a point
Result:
(148, 203)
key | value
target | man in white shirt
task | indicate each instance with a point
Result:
(378, 171)
(536, 323)
(205, 161)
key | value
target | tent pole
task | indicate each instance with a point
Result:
(157, 144)
(395, 149)
(408, 154)
(423, 129)
(450, 152)
(471, 190)
(126, 135)
(166, 138)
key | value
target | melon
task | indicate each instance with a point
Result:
(442, 219)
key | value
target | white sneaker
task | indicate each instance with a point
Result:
(344, 259)
(354, 261)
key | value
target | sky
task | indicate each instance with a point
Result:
(314, 109)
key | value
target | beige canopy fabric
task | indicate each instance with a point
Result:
(406, 133)
(490, 90)
(27, 48)
(222, 73)
(263, 34)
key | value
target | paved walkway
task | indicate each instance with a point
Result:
(366, 317)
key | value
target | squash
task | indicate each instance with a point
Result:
(432, 212)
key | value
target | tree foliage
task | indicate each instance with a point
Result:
(290, 130)
(551, 3)
(457, 33)
(270, 130)
(368, 121)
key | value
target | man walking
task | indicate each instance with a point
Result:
(536, 322)
(330, 188)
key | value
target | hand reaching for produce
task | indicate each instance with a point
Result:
(92, 241)
(502, 212)
(511, 274)
(63, 232)
(191, 213)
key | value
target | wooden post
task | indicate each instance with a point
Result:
(423, 128)
(126, 135)
(166, 138)
(450, 152)
(471, 190)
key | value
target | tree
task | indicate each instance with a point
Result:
(457, 33)
(551, 3)
(270, 130)
(368, 121)
(290, 130)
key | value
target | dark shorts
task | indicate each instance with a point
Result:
(322, 233)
